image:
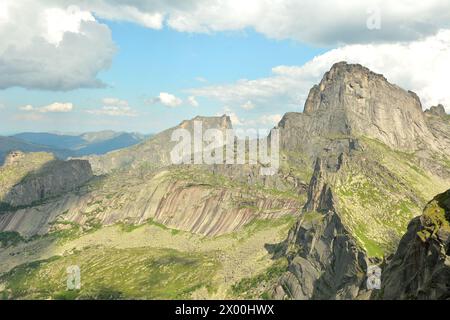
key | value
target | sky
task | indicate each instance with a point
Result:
(144, 66)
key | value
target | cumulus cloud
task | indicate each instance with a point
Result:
(115, 108)
(192, 101)
(261, 121)
(421, 66)
(166, 99)
(327, 22)
(56, 107)
(48, 44)
(235, 120)
(51, 47)
(28, 107)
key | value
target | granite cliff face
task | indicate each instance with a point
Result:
(386, 157)
(420, 269)
(325, 261)
(187, 200)
(353, 101)
(37, 177)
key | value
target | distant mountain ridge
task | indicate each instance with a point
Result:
(68, 145)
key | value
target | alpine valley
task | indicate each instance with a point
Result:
(364, 181)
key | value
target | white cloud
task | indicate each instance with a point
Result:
(59, 21)
(115, 102)
(192, 101)
(56, 107)
(262, 121)
(51, 47)
(28, 107)
(48, 44)
(327, 22)
(265, 121)
(115, 108)
(248, 105)
(269, 119)
(146, 13)
(421, 66)
(166, 99)
(235, 120)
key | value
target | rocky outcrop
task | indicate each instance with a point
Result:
(439, 123)
(38, 177)
(324, 260)
(353, 101)
(438, 111)
(325, 264)
(420, 269)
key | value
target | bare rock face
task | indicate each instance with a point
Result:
(353, 101)
(420, 269)
(170, 198)
(439, 123)
(43, 178)
(324, 260)
(351, 104)
(438, 110)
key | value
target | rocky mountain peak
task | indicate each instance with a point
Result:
(352, 100)
(340, 75)
(438, 110)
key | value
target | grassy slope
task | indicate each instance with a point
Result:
(144, 262)
(380, 192)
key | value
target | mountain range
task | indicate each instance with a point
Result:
(363, 181)
(64, 145)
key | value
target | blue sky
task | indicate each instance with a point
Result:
(147, 65)
(152, 61)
